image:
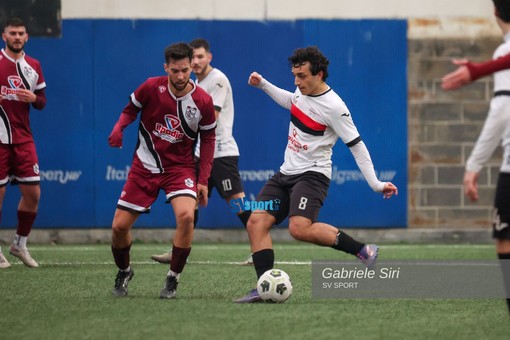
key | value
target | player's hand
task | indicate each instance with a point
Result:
(471, 185)
(202, 194)
(457, 78)
(254, 79)
(26, 96)
(389, 190)
(115, 138)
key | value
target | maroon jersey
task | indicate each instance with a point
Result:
(24, 73)
(169, 126)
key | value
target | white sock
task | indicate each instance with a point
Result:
(20, 241)
(176, 275)
(128, 269)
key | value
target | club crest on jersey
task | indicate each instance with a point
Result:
(169, 131)
(188, 182)
(191, 112)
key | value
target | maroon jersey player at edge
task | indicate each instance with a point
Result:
(21, 85)
(174, 111)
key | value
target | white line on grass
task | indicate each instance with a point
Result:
(241, 246)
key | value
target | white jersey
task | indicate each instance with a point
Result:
(496, 128)
(316, 123)
(217, 85)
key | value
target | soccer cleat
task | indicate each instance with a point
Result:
(248, 261)
(3, 261)
(252, 297)
(121, 283)
(23, 255)
(368, 255)
(163, 258)
(170, 289)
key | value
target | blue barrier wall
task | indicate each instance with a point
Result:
(93, 68)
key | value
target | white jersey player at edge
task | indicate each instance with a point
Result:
(318, 118)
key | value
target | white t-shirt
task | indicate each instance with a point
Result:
(317, 121)
(216, 84)
(496, 128)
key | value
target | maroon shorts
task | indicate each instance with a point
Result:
(142, 187)
(19, 164)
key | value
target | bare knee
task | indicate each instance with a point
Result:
(185, 219)
(297, 231)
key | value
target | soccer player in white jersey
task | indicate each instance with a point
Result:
(496, 130)
(22, 85)
(225, 175)
(174, 112)
(318, 118)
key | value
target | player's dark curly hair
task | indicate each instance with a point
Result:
(312, 54)
(178, 51)
(502, 9)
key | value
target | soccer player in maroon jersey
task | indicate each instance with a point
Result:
(21, 86)
(174, 112)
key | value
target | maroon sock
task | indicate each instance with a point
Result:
(25, 222)
(121, 257)
(179, 257)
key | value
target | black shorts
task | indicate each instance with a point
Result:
(501, 215)
(298, 195)
(225, 177)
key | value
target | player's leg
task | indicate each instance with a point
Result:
(123, 221)
(25, 171)
(258, 227)
(501, 228)
(138, 194)
(503, 251)
(225, 177)
(4, 179)
(183, 207)
(308, 194)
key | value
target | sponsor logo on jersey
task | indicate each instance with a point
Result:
(15, 84)
(345, 114)
(294, 144)
(162, 88)
(169, 131)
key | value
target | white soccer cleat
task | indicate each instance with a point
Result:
(247, 262)
(23, 255)
(3, 261)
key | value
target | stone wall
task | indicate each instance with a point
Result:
(442, 129)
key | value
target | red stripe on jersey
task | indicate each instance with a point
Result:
(307, 121)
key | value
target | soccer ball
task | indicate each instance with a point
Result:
(274, 286)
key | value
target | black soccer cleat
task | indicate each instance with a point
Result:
(170, 289)
(121, 283)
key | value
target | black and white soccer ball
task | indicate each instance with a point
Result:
(274, 286)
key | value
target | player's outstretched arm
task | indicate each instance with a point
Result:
(457, 78)
(115, 138)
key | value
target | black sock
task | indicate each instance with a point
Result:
(195, 218)
(244, 217)
(263, 260)
(505, 267)
(347, 244)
